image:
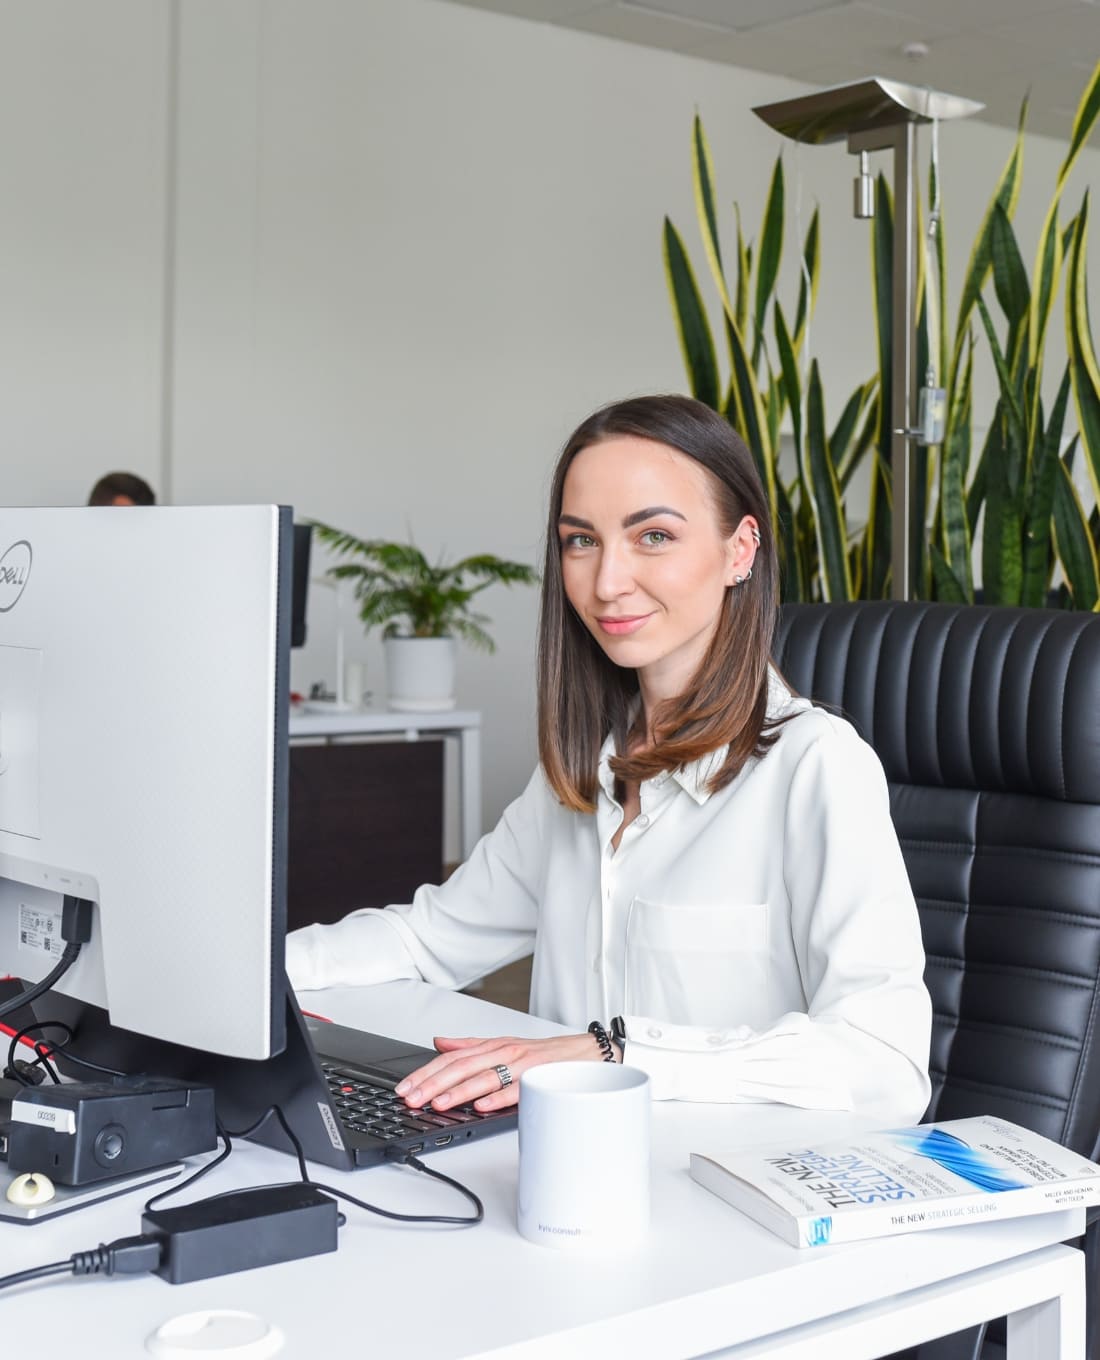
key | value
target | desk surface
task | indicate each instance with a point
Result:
(704, 1278)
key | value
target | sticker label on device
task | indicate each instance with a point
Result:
(40, 930)
(61, 1121)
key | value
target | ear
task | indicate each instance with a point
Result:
(741, 550)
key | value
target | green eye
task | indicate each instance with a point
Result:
(654, 538)
(578, 541)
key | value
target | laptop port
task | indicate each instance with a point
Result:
(416, 1147)
(443, 1139)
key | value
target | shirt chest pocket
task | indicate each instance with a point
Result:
(699, 964)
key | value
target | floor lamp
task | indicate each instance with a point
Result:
(877, 115)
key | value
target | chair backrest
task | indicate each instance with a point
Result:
(987, 722)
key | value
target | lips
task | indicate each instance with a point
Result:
(623, 626)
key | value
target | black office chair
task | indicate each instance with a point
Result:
(987, 722)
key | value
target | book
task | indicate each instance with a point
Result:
(900, 1180)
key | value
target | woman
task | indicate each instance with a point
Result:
(701, 854)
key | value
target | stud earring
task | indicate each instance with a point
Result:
(738, 580)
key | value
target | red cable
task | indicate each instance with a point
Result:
(11, 1033)
(23, 1039)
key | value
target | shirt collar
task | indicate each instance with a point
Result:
(695, 778)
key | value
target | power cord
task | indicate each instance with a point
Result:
(48, 1050)
(126, 1256)
(393, 1155)
(76, 931)
(202, 1239)
(202, 1171)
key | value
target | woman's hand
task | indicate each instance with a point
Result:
(466, 1069)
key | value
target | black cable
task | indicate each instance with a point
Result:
(275, 1110)
(69, 956)
(38, 1273)
(398, 1156)
(124, 1256)
(207, 1166)
(407, 1159)
(18, 1067)
(59, 1047)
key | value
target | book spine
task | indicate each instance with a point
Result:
(853, 1225)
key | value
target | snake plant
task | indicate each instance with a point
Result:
(1019, 489)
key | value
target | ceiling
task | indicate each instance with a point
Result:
(994, 51)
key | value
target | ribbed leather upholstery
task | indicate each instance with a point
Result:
(987, 721)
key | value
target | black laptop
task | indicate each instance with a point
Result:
(358, 1072)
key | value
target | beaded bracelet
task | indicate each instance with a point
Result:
(603, 1039)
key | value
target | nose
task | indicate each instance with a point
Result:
(613, 576)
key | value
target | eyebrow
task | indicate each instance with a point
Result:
(638, 517)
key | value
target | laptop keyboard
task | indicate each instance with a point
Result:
(379, 1113)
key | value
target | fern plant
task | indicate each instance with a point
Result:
(399, 591)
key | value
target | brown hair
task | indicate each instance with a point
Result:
(583, 696)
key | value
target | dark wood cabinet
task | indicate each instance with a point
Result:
(365, 825)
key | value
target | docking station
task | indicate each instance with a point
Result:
(81, 1132)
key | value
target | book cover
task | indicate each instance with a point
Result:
(900, 1180)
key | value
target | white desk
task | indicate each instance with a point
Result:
(705, 1280)
(461, 725)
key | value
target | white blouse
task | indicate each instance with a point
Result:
(761, 943)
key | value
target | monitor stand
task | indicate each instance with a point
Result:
(67, 1198)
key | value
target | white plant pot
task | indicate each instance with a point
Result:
(420, 674)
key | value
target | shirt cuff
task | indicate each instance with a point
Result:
(785, 1064)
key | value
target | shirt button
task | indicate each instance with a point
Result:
(596, 964)
(716, 1039)
(642, 822)
(653, 1032)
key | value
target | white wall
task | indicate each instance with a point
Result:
(409, 245)
(82, 233)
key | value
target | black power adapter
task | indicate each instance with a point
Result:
(242, 1230)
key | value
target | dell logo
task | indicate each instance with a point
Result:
(15, 568)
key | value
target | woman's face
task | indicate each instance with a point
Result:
(645, 560)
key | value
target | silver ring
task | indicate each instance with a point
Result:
(505, 1076)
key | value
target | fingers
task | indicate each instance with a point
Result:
(446, 1045)
(465, 1070)
(466, 1075)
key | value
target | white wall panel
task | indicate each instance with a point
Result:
(82, 163)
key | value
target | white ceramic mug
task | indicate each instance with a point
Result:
(583, 1155)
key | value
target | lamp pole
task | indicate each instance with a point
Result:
(904, 378)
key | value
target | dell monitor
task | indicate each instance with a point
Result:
(143, 766)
